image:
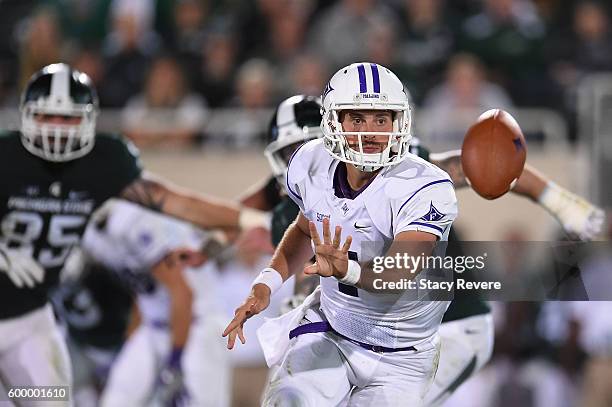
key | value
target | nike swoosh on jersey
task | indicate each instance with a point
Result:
(356, 226)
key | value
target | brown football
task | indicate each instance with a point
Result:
(493, 153)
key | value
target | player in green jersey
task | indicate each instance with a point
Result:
(54, 172)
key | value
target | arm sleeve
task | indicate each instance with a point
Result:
(431, 209)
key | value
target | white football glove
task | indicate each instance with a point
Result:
(577, 215)
(20, 267)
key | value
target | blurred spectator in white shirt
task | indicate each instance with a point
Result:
(454, 105)
(167, 113)
(308, 76)
(245, 123)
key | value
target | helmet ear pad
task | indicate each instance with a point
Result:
(53, 99)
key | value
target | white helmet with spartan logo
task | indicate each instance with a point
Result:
(59, 90)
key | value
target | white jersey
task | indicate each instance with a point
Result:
(133, 240)
(412, 195)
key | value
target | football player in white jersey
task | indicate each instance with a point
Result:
(176, 345)
(350, 340)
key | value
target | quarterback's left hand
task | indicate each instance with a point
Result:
(578, 216)
(331, 260)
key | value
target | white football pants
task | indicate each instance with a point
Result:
(467, 344)
(33, 353)
(322, 369)
(205, 367)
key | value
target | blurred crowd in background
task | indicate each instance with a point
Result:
(194, 55)
(166, 64)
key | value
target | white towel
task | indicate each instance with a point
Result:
(273, 334)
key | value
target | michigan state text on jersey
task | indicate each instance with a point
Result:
(66, 171)
(44, 211)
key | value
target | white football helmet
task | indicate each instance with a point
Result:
(366, 86)
(59, 90)
(296, 120)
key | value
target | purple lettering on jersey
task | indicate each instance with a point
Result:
(321, 216)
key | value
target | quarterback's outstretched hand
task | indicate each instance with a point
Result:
(331, 260)
(578, 216)
(256, 302)
(20, 267)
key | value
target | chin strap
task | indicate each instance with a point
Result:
(367, 168)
